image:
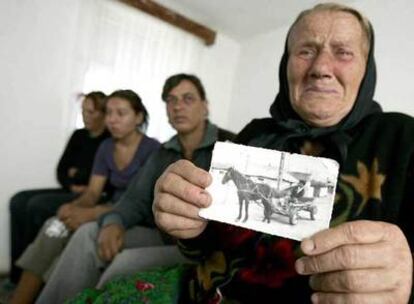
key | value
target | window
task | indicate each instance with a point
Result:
(123, 48)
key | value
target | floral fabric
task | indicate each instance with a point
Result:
(157, 286)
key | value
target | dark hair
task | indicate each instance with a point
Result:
(98, 99)
(135, 102)
(175, 80)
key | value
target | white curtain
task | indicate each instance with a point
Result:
(121, 47)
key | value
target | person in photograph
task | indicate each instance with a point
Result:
(325, 108)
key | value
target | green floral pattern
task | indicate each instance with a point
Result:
(158, 286)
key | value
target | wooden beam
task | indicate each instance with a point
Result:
(174, 18)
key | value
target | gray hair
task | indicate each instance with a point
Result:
(336, 7)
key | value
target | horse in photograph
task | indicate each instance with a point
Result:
(248, 190)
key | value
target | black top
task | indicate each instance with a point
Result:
(79, 153)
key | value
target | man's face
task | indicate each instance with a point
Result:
(327, 60)
(185, 108)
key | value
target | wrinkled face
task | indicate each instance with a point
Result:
(93, 119)
(327, 60)
(185, 108)
(120, 117)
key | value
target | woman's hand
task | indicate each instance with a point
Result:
(358, 262)
(73, 215)
(110, 241)
(64, 211)
(178, 196)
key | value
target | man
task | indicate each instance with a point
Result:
(82, 262)
(324, 108)
(298, 190)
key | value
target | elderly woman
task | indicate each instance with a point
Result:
(324, 108)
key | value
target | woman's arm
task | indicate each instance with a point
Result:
(88, 199)
(77, 215)
(93, 192)
(83, 209)
(66, 161)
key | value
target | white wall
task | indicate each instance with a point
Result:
(217, 72)
(393, 23)
(256, 82)
(39, 80)
(36, 37)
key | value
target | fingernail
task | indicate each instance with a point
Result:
(312, 282)
(208, 179)
(300, 266)
(308, 245)
(204, 199)
(315, 298)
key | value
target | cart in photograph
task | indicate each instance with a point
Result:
(290, 206)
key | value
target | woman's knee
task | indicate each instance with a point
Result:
(87, 232)
(45, 227)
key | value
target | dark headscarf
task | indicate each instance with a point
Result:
(338, 137)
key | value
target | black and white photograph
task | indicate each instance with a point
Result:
(279, 193)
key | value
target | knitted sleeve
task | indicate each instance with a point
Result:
(406, 222)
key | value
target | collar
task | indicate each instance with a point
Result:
(209, 138)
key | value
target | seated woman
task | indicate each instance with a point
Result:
(117, 160)
(29, 209)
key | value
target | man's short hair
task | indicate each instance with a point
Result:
(175, 80)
